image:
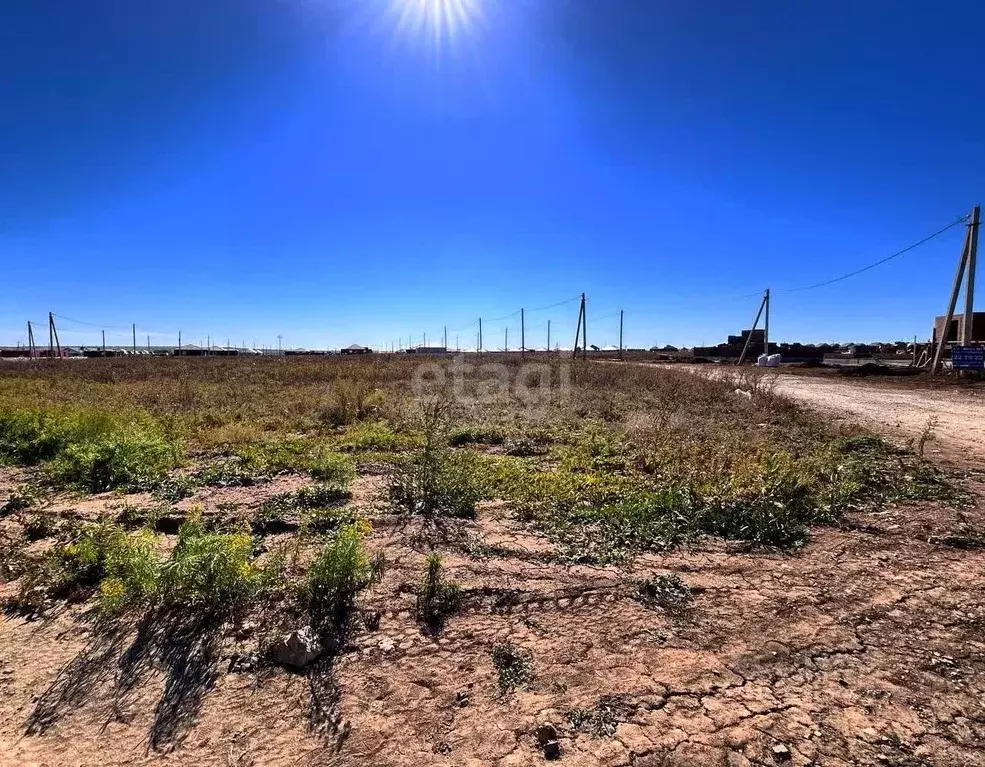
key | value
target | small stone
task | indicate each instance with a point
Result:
(545, 733)
(781, 752)
(387, 645)
(462, 699)
(548, 740)
(298, 649)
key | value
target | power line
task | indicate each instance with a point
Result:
(554, 306)
(897, 254)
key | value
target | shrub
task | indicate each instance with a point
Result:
(668, 591)
(437, 599)
(339, 571)
(208, 570)
(89, 449)
(434, 482)
(370, 436)
(434, 479)
(332, 468)
(323, 499)
(476, 435)
(350, 400)
(514, 666)
(94, 553)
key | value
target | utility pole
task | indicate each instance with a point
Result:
(179, 340)
(507, 341)
(457, 347)
(30, 340)
(54, 329)
(968, 253)
(135, 338)
(208, 345)
(763, 305)
(51, 336)
(279, 352)
(148, 343)
(480, 336)
(446, 338)
(104, 343)
(548, 336)
(766, 326)
(969, 294)
(523, 335)
(620, 332)
(580, 330)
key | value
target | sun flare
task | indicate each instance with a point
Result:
(439, 20)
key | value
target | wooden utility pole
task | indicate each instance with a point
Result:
(148, 343)
(506, 343)
(179, 341)
(446, 338)
(104, 343)
(30, 340)
(972, 235)
(51, 336)
(480, 335)
(620, 332)
(548, 336)
(135, 338)
(763, 304)
(523, 334)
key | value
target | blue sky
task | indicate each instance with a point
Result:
(315, 169)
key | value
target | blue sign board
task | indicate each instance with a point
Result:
(968, 357)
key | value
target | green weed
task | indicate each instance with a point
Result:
(339, 572)
(210, 571)
(89, 449)
(514, 666)
(332, 468)
(437, 598)
(668, 591)
(350, 400)
(372, 435)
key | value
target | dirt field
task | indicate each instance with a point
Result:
(864, 647)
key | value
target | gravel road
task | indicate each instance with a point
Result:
(901, 413)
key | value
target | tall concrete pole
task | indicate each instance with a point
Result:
(969, 296)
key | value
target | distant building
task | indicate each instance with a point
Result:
(428, 350)
(190, 350)
(758, 337)
(956, 331)
(357, 349)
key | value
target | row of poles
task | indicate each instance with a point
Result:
(965, 274)
(55, 347)
(581, 334)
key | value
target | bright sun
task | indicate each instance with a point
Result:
(440, 20)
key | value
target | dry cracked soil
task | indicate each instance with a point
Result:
(866, 647)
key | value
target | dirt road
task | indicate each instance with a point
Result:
(901, 413)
